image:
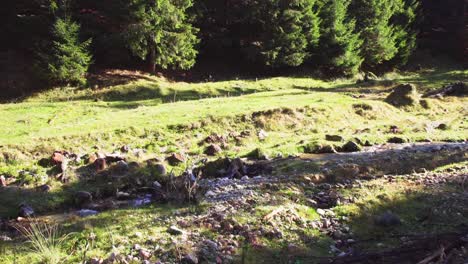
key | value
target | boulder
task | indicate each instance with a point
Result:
(156, 167)
(176, 158)
(25, 211)
(403, 95)
(316, 148)
(212, 150)
(215, 138)
(58, 157)
(442, 126)
(121, 166)
(351, 146)
(100, 164)
(44, 188)
(396, 140)
(208, 251)
(83, 198)
(335, 138)
(387, 219)
(258, 154)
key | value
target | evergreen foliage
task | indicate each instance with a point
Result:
(374, 22)
(69, 59)
(290, 31)
(160, 32)
(340, 43)
(406, 30)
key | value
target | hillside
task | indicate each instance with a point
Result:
(293, 169)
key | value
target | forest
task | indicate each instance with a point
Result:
(234, 131)
(59, 41)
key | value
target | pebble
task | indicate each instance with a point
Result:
(173, 230)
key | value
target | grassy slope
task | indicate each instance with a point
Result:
(143, 114)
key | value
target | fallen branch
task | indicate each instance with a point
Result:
(437, 254)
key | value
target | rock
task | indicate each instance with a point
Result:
(208, 251)
(403, 95)
(123, 196)
(91, 158)
(100, 164)
(176, 158)
(189, 259)
(262, 135)
(83, 198)
(157, 185)
(236, 169)
(442, 126)
(319, 148)
(396, 140)
(25, 211)
(114, 157)
(86, 212)
(144, 254)
(245, 178)
(387, 219)
(3, 181)
(173, 230)
(351, 146)
(321, 212)
(4, 238)
(258, 154)
(394, 129)
(157, 168)
(96, 261)
(122, 166)
(44, 188)
(210, 194)
(125, 149)
(336, 138)
(214, 138)
(58, 157)
(212, 150)
(454, 89)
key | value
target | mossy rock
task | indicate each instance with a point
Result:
(258, 154)
(316, 148)
(403, 95)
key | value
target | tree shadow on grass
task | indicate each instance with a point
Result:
(424, 81)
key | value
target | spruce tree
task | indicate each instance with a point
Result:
(69, 59)
(160, 32)
(374, 22)
(290, 31)
(340, 44)
(406, 30)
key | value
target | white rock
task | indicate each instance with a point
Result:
(210, 194)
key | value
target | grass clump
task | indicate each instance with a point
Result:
(45, 241)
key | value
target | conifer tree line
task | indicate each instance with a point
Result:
(341, 37)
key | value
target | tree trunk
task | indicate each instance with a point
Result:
(151, 60)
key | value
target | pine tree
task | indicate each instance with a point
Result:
(160, 32)
(69, 59)
(374, 22)
(340, 44)
(290, 31)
